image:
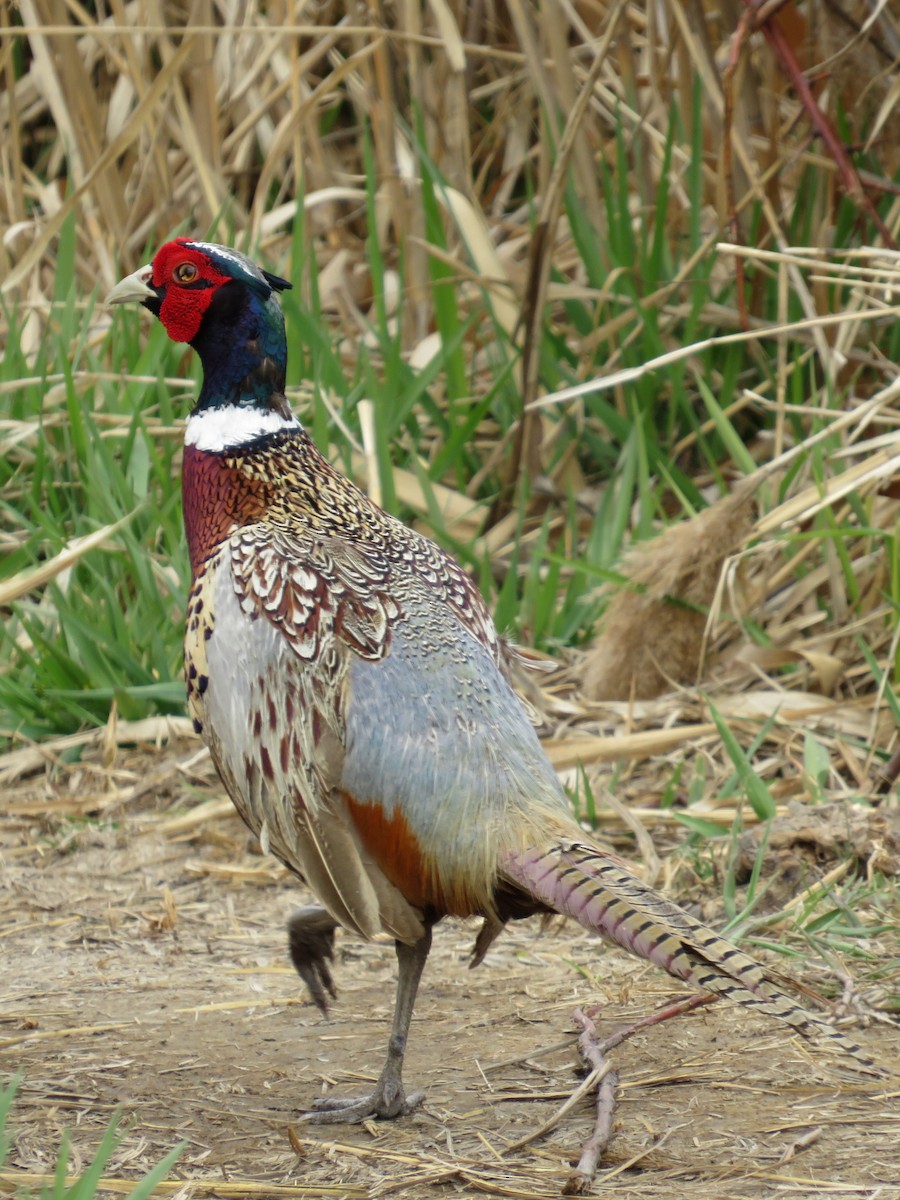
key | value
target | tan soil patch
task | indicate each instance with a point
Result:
(148, 969)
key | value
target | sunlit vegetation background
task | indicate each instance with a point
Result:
(482, 207)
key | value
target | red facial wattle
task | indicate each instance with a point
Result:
(184, 303)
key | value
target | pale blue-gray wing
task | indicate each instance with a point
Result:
(436, 739)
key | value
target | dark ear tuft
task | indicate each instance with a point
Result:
(276, 282)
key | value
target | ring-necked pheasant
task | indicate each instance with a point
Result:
(348, 680)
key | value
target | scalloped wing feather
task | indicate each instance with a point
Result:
(273, 721)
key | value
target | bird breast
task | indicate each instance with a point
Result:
(218, 498)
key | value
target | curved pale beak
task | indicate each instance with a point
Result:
(134, 287)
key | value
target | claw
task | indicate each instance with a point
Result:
(311, 941)
(385, 1103)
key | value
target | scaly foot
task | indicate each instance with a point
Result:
(384, 1104)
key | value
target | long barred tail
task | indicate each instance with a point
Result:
(581, 882)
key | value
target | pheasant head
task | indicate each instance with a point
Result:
(226, 307)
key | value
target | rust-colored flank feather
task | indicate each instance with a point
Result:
(396, 850)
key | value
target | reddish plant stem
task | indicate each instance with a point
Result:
(784, 53)
(592, 1050)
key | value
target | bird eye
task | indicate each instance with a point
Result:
(186, 272)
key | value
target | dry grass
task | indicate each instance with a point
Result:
(139, 120)
(153, 118)
(159, 116)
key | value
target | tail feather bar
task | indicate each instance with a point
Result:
(581, 882)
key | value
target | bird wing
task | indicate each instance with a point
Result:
(267, 679)
(441, 762)
(379, 719)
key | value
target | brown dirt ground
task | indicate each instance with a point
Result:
(144, 964)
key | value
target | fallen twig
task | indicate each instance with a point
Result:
(592, 1051)
(587, 1084)
(662, 1014)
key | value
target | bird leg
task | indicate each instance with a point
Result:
(311, 941)
(388, 1099)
